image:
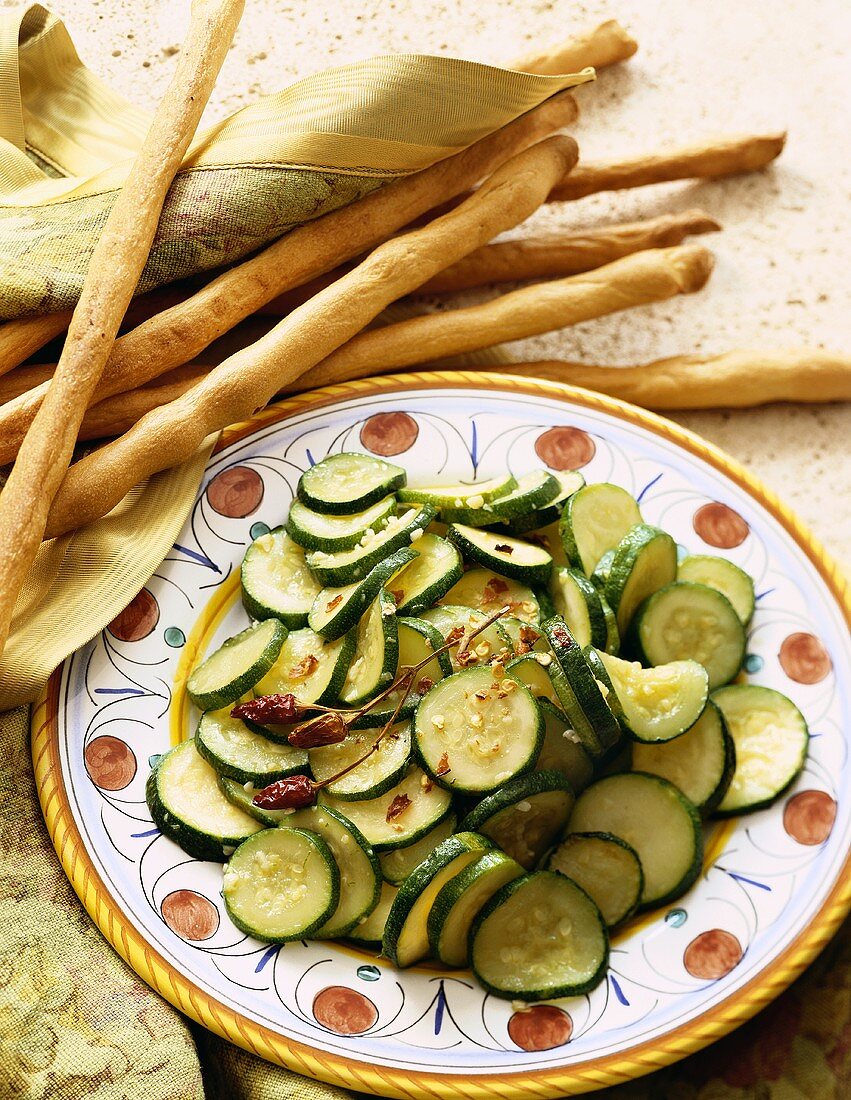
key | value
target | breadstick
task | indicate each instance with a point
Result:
(20, 338)
(179, 334)
(567, 253)
(650, 276)
(735, 379)
(723, 156)
(113, 274)
(599, 46)
(248, 379)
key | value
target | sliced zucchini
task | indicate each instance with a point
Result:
(459, 496)
(581, 696)
(398, 864)
(604, 681)
(360, 874)
(405, 934)
(377, 774)
(459, 901)
(376, 653)
(600, 576)
(428, 577)
(533, 671)
(656, 819)
(685, 619)
(771, 738)
(645, 561)
(533, 490)
(606, 867)
(658, 704)
(336, 610)
(345, 567)
(309, 667)
(595, 518)
(234, 750)
(569, 482)
(727, 578)
(276, 581)
(188, 807)
(315, 531)
(236, 666)
(539, 937)
(472, 732)
(242, 796)
(342, 484)
(525, 817)
(700, 763)
(613, 636)
(400, 816)
(562, 750)
(445, 617)
(578, 602)
(504, 554)
(370, 930)
(282, 884)
(485, 591)
(521, 638)
(548, 537)
(418, 638)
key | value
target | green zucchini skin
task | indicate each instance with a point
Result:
(727, 578)
(621, 512)
(235, 754)
(426, 591)
(482, 547)
(584, 689)
(378, 479)
(644, 561)
(625, 852)
(356, 597)
(243, 677)
(291, 609)
(302, 523)
(280, 680)
(347, 566)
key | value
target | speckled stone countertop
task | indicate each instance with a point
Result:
(702, 68)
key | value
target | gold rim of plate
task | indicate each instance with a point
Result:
(595, 1073)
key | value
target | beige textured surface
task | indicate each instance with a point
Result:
(781, 275)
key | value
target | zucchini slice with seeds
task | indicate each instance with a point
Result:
(578, 602)
(533, 490)
(276, 581)
(315, 531)
(562, 750)
(360, 874)
(234, 750)
(533, 671)
(771, 738)
(344, 567)
(723, 575)
(236, 666)
(504, 554)
(370, 930)
(309, 667)
(428, 577)
(345, 483)
(377, 774)
(657, 704)
(400, 816)
(459, 901)
(189, 808)
(445, 617)
(485, 591)
(418, 638)
(606, 867)
(525, 817)
(594, 520)
(472, 733)
(538, 938)
(701, 762)
(581, 697)
(398, 864)
(645, 561)
(656, 819)
(689, 620)
(336, 610)
(282, 884)
(600, 576)
(376, 653)
(405, 935)
(569, 482)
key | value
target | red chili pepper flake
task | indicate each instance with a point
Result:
(466, 657)
(325, 729)
(504, 548)
(292, 793)
(455, 634)
(304, 667)
(398, 595)
(397, 807)
(282, 710)
(334, 603)
(442, 765)
(494, 590)
(424, 685)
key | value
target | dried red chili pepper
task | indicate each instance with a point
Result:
(397, 807)
(293, 793)
(282, 710)
(326, 729)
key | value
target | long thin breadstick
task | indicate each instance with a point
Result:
(248, 379)
(179, 334)
(19, 339)
(722, 156)
(116, 264)
(734, 379)
(560, 254)
(650, 276)
(599, 46)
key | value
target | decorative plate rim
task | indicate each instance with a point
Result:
(610, 1070)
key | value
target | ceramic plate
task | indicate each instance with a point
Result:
(774, 885)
